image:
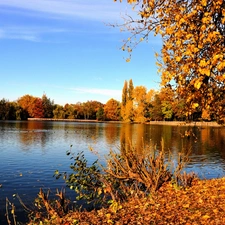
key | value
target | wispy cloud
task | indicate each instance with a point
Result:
(42, 12)
(28, 33)
(114, 93)
(101, 10)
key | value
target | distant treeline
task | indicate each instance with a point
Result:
(137, 105)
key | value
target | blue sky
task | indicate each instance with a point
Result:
(65, 49)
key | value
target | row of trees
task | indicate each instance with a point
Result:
(138, 105)
(29, 106)
(25, 107)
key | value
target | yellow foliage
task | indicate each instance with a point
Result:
(198, 84)
(195, 105)
(203, 63)
(204, 2)
(178, 58)
(193, 46)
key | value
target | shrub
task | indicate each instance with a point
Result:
(125, 175)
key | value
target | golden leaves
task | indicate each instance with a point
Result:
(178, 58)
(204, 2)
(195, 105)
(193, 45)
(203, 63)
(169, 30)
(198, 83)
(131, 1)
(205, 217)
(204, 71)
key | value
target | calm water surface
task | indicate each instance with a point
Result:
(30, 151)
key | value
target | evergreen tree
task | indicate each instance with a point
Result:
(124, 100)
(130, 90)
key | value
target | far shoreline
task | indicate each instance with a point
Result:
(169, 123)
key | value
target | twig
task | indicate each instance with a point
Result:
(7, 213)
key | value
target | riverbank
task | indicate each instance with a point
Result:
(202, 203)
(182, 123)
(169, 123)
(65, 120)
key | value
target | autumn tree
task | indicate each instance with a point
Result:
(32, 106)
(37, 111)
(127, 110)
(140, 104)
(192, 58)
(90, 108)
(26, 102)
(78, 111)
(112, 110)
(68, 111)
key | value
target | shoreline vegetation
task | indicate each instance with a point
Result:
(143, 191)
(202, 203)
(133, 189)
(170, 123)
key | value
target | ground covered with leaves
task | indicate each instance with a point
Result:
(202, 203)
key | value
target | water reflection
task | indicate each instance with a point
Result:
(207, 144)
(36, 149)
(111, 133)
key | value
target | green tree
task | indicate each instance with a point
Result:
(131, 90)
(58, 112)
(167, 98)
(167, 110)
(156, 110)
(48, 106)
(100, 116)
(90, 109)
(3, 109)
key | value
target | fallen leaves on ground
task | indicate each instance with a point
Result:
(203, 203)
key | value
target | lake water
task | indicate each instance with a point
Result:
(30, 151)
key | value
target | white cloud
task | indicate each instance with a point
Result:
(98, 91)
(95, 10)
(83, 94)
